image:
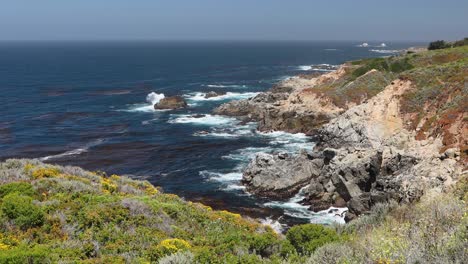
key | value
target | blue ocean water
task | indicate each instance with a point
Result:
(84, 103)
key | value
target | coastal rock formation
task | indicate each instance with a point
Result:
(364, 156)
(287, 106)
(172, 102)
(387, 129)
(213, 94)
(280, 176)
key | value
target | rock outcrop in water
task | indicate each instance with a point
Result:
(369, 151)
(285, 107)
(213, 94)
(172, 102)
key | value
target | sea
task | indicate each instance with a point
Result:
(90, 104)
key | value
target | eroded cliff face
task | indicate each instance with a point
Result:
(364, 156)
(287, 107)
(387, 134)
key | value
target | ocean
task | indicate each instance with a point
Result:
(89, 104)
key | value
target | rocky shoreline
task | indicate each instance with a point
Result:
(366, 154)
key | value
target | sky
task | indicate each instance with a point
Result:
(363, 20)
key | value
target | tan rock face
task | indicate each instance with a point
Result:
(299, 83)
(369, 124)
(366, 156)
(173, 102)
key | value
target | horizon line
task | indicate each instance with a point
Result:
(212, 40)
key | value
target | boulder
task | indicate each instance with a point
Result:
(213, 94)
(172, 102)
(279, 176)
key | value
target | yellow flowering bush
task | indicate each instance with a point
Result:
(150, 189)
(45, 173)
(108, 185)
(169, 246)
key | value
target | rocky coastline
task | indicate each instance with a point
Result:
(366, 152)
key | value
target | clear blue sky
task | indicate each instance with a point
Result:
(233, 19)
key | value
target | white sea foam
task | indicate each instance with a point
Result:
(73, 152)
(385, 51)
(363, 45)
(243, 86)
(274, 224)
(206, 120)
(245, 155)
(305, 68)
(234, 187)
(229, 132)
(151, 99)
(222, 177)
(294, 208)
(288, 142)
(230, 181)
(154, 98)
(318, 67)
(228, 96)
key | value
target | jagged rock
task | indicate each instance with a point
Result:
(279, 176)
(172, 102)
(213, 94)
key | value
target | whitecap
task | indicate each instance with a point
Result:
(151, 99)
(206, 120)
(154, 98)
(318, 67)
(228, 96)
(73, 152)
(363, 45)
(222, 177)
(243, 86)
(385, 51)
(305, 68)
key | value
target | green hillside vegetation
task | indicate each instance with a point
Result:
(53, 214)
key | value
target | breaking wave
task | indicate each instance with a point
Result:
(73, 152)
(151, 99)
(228, 96)
(204, 120)
(385, 51)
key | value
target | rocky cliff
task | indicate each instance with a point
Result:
(387, 129)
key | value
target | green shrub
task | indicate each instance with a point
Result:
(265, 244)
(377, 63)
(460, 43)
(22, 255)
(21, 209)
(307, 238)
(400, 65)
(438, 44)
(23, 188)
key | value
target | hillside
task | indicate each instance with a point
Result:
(52, 214)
